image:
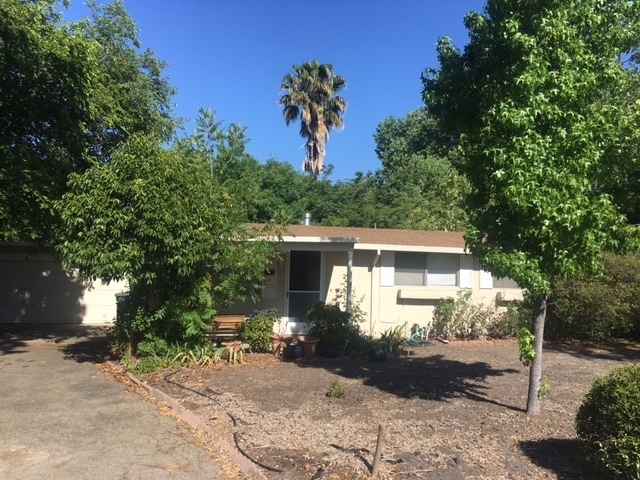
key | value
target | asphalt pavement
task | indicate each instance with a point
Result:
(61, 417)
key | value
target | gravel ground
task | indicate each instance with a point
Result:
(451, 411)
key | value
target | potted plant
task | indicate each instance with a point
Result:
(330, 325)
(258, 330)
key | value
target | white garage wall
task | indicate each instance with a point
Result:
(35, 289)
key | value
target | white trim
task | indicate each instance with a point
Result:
(409, 248)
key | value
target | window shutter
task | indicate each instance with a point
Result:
(386, 269)
(486, 280)
(466, 272)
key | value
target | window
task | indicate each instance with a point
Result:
(421, 269)
(410, 268)
(442, 269)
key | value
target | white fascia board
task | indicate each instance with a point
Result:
(409, 248)
(291, 239)
(317, 243)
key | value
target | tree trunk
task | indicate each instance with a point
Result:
(535, 373)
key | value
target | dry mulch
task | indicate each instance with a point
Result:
(451, 411)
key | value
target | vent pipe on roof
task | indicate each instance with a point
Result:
(306, 219)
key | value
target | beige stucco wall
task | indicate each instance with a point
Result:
(35, 289)
(383, 306)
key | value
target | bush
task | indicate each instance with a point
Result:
(508, 323)
(598, 308)
(459, 317)
(257, 330)
(329, 323)
(609, 422)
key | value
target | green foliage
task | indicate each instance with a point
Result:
(542, 143)
(359, 344)
(329, 323)
(71, 93)
(545, 387)
(525, 346)
(158, 219)
(506, 324)
(608, 421)
(206, 355)
(393, 338)
(460, 317)
(358, 315)
(418, 183)
(599, 307)
(337, 390)
(256, 331)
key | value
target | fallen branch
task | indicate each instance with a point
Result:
(378, 454)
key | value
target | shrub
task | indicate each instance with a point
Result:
(598, 308)
(459, 317)
(329, 323)
(609, 422)
(257, 330)
(508, 323)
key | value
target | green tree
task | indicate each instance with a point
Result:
(418, 182)
(543, 133)
(69, 94)
(310, 94)
(157, 219)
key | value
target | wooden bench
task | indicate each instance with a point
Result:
(226, 327)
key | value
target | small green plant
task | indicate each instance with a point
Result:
(608, 421)
(200, 356)
(257, 330)
(145, 364)
(545, 387)
(337, 390)
(393, 338)
(525, 345)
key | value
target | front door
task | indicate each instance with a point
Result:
(304, 287)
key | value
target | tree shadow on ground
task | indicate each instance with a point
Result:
(428, 378)
(95, 350)
(616, 351)
(81, 343)
(559, 455)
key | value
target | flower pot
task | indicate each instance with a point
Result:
(292, 352)
(329, 351)
(309, 345)
(276, 340)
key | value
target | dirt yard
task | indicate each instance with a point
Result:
(450, 411)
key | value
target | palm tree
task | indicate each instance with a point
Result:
(310, 95)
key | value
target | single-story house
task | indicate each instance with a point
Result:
(394, 276)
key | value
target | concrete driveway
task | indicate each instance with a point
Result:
(63, 418)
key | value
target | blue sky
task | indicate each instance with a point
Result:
(231, 55)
